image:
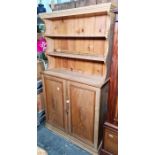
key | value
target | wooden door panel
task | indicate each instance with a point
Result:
(55, 102)
(82, 111)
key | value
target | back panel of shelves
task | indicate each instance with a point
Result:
(79, 43)
(97, 25)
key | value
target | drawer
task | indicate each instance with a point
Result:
(110, 141)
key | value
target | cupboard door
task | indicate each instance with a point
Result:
(55, 106)
(82, 111)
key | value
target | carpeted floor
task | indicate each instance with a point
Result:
(56, 145)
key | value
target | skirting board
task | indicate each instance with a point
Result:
(75, 141)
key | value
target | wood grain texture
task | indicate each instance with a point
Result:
(100, 26)
(49, 26)
(95, 81)
(84, 102)
(113, 91)
(55, 102)
(110, 139)
(75, 84)
(110, 33)
(77, 56)
(78, 26)
(98, 48)
(80, 66)
(75, 36)
(103, 109)
(116, 112)
(110, 143)
(50, 45)
(82, 111)
(86, 46)
(82, 11)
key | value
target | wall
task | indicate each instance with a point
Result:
(47, 2)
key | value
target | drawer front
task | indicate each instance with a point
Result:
(111, 141)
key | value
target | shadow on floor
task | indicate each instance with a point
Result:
(56, 145)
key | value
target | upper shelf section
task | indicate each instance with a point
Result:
(99, 9)
(78, 27)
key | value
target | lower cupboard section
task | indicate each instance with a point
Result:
(76, 111)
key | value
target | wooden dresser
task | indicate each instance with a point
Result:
(79, 49)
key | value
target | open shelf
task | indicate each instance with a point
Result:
(77, 56)
(96, 81)
(76, 36)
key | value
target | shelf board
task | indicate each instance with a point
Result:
(92, 80)
(99, 9)
(77, 56)
(78, 36)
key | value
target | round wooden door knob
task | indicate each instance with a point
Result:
(67, 101)
(58, 88)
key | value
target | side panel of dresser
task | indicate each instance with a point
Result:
(103, 109)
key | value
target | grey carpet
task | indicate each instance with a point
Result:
(56, 145)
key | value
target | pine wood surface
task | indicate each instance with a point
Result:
(78, 27)
(76, 82)
(77, 56)
(92, 47)
(82, 11)
(74, 76)
(79, 66)
(55, 111)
